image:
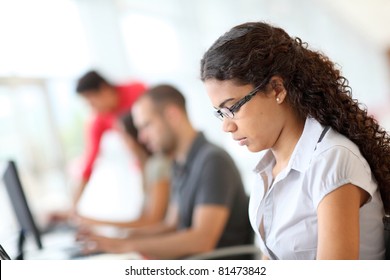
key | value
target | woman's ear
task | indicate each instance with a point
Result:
(278, 89)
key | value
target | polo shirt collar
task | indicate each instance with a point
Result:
(197, 143)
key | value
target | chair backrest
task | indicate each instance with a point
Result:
(247, 251)
(386, 223)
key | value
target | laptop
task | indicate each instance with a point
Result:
(56, 243)
(60, 242)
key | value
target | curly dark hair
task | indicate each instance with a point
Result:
(128, 124)
(256, 51)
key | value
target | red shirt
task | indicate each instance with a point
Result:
(128, 94)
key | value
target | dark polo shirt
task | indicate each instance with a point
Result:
(210, 177)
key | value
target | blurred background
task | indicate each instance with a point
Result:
(46, 45)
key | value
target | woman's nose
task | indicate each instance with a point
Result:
(228, 125)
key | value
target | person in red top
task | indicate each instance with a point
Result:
(109, 102)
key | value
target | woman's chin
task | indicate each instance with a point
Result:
(254, 149)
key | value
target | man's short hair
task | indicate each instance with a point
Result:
(90, 81)
(165, 94)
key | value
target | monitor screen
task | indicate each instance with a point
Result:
(19, 203)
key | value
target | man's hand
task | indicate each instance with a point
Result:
(95, 243)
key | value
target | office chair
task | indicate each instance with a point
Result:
(245, 251)
(232, 252)
(386, 223)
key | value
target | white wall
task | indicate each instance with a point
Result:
(325, 25)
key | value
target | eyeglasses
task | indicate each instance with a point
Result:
(229, 112)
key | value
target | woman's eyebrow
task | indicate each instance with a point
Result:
(222, 105)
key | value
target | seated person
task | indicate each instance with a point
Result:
(208, 207)
(155, 169)
(322, 183)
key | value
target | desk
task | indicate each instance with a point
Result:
(62, 246)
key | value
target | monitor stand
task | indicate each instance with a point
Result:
(21, 240)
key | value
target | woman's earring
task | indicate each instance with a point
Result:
(278, 99)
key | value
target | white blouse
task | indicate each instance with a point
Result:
(283, 210)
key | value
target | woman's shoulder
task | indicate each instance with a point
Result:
(340, 162)
(335, 143)
(158, 166)
(159, 159)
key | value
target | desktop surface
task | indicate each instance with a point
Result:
(61, 245)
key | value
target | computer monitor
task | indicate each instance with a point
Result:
(3, 254)
(20, 205)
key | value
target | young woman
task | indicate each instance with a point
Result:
(324, 180)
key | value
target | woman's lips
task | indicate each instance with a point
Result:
(242, 141)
